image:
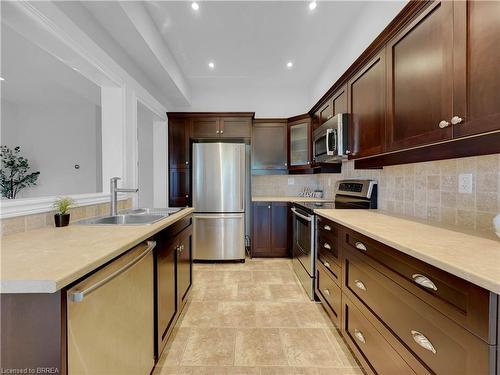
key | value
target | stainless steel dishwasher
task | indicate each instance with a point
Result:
(111, 317)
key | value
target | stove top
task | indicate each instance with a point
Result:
(350, 194)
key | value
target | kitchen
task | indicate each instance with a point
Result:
(330, 209)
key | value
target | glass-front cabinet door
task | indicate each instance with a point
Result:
(300, 143)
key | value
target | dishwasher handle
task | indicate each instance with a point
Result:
(79, 295)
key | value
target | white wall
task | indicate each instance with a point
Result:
(54, 138)
(265, 102)
(145, 119)
(370, 23)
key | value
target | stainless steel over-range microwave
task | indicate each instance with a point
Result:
(330, 140)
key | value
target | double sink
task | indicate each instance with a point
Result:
(139, 216)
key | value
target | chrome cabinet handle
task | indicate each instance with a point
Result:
(423, 341)
(347, 152)
(222, 131)
(327, 227)
(187, 162)
(286, 164)
(359, 335)
(424, 281)
(327, 246)
(187, 195)
(79, 295)
(326, 291)
(326, 264)
(455, 120)
(444, 124)
(269, 206)
(360, 246)
(359, 284)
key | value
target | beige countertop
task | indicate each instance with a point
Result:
(46, 260)
(467, 256)
(288, 199)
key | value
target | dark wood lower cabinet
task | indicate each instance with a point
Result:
(180, 187)
(391, 319)
(173, 269)
(270, 229)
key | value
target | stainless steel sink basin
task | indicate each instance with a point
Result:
(139, 216)
(129, 219)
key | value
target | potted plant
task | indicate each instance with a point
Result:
(15, 172)
(62, 205)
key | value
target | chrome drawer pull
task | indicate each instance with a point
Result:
(327, 227)
(424, 281)
(326, 264)
(359, 284)
(423, 341)
(360, 246)
(359, 335)
(326, 291)
(327, 246)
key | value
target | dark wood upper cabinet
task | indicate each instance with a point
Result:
(178, 142)
(420, 80)
(205, 127)
(337, 103)
(235, 127)
(324, 113)
(367, 106)
(269, 145)
(299, 142)
(476, 88)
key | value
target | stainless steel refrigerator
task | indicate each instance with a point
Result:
(219, 195)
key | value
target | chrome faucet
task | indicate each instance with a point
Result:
(114, 190)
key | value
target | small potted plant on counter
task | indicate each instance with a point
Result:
(62, 205)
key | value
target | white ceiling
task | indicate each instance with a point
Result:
(166, 46)
(251, 42)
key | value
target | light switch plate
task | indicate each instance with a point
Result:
(291, 181)
(465, 183)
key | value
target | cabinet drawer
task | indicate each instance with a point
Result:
(370, 347)
(465, 303)
(444, 346)
(327, 228)
(330, 265)
(329, 293)
(328, 248)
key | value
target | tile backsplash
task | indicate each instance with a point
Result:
(427, 190)
(46, 219)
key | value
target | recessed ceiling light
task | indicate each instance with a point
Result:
(2, 79)
(312, 5)
(289, 65)
(211, 65)
(195, 5)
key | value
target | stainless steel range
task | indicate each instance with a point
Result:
(350, 194)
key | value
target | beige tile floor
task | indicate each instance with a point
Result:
(253, 318)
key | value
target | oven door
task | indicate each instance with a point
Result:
(303, 240)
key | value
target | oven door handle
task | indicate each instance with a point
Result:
(308, 218)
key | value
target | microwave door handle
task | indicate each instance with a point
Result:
(335, 142)
(328, 131)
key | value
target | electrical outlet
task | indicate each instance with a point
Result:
(291, 181)
(465, 183)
